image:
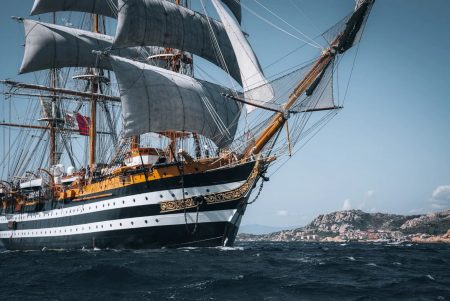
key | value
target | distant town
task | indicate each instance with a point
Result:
(359, 226)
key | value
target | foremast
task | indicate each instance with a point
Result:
(341, 43)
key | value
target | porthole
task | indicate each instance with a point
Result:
(156, 220)
(110, 225)
(186, 193)
(161, 196)
(146, 221)
(207, 190)
(114, 204)
(108, 204)
(120, 224)
(96, 227)
(102, 226)
(146, 198)
(123, 202)
(173, 194)
(132, 223)
(134, 200)
(103, 205)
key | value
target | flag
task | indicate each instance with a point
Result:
(83, 124)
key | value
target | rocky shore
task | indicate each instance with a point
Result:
(359, 226)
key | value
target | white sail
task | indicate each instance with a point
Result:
(54, 46)
(101, 7)
(254, 83)
(159, 100)
(162, 23)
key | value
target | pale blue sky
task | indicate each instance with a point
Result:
(389, 149)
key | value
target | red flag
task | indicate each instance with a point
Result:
(83, 124)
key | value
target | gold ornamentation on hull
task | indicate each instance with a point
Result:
(216, 198)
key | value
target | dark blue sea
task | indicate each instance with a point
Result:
(249, 271)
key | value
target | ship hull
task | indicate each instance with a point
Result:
(157, 216)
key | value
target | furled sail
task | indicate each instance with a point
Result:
(54, 46)
(102, 7)
(162, 23)
(355, 25)
(158, 100)
(235, 8)
(254, 83)
(319, 95)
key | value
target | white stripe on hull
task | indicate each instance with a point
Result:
(150, 198)
(124, 224)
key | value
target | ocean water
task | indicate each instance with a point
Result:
(249, 271)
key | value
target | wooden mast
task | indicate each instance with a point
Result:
(52, 121)
(93, 121)
(279, 120)
(341, 43)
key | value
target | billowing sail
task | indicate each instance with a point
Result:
(254, 83)
(159, 100)
(54, 46)
(101, 7)
(162, 23)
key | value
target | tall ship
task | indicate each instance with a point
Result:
(112, 141)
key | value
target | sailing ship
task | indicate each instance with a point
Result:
(171, 159)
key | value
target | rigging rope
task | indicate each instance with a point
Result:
(290, 25)
(277, 27)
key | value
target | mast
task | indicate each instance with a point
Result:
(280, 118)
(93, 121)
(344, 41)
(52, 121)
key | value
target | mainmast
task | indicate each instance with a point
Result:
(93, 120)
(52, 121)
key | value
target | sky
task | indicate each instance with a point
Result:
(388, 150)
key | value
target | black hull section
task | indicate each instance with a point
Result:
(207, 235)
(137, 221)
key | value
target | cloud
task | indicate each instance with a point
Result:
(440, 198)
(442, 193)
(282, 213)
(347, 205)
(370, 193)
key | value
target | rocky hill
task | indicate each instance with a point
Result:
(433, 224)
(343, 221)
(362, 226)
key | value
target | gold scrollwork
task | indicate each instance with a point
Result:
(177, 205)
(213, 198)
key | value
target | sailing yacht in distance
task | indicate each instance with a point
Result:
(171, 160)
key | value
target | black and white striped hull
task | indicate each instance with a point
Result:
(136, 220)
